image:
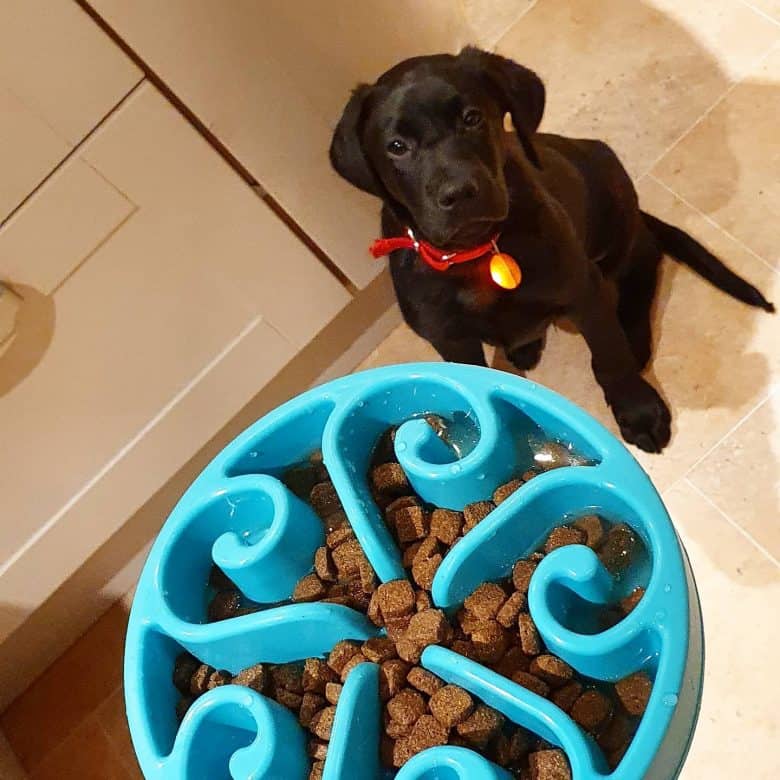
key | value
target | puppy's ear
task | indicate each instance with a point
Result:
(521, 91)
(346, 148)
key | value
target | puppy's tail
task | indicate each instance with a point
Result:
(698, 258)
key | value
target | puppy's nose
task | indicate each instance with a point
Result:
(454, 192)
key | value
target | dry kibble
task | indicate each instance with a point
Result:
(332, 692)
(529, 636)
(549, 765)
(467, 621)
(423, 571)
(348, 558)
(288, 699)
(185, 666)
(481, 726)
(389, 480)
(508, 614)
(566, 696)
(514, 660)
(309, 588)
(521, 575)
(510, 749)
(429, 548)
(397, 628)
(219, 580)
(531, 682)
(302, 479)
(464, 648)
(429, 627)
(592, 710)
(427, 733)
(288, 676)
(396, 730)
(408, 650)
(318, 750)
(552, 670)
(410, 553)
(253, 677)
(634, 693)
(200, 679)
(422, 601)
(317, 769)
(475, 513)
(338, 536)
(402, 752)
(356, 660)
(392, 678)
(502, 492)
(446, 525)
(593, 528)
(311, 704)
(218, 679)
(323, 565)
(322, 723)
(379, 649)
(411, 524)
(396, 599)
(617, 550)
(562, 536)
(373, 612)
(629, 603)
(224, 605)
(485, 602)
(406, 706)
(424, 681)
(451, 705)
(490, 642)
(399, 503)
(324, 499)
(336, 521)
(367, 577)
(616, 735)
(341, 654)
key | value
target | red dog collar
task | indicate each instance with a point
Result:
(504, 269)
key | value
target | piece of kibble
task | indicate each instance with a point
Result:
(218, 679)
(224, 605)
(424, 681)
(481, 726)
(397, 504)
(288, 699)
(378, 649)
(389, 479)
(318, 750)
(427, 732)
(396, 730)
(336, 521)
(185, 666)
(521, 575)
(617, 734)
(410, 553)
(316, 675)
(529, 636)
(532, 683)
(324, 499)
(392, 678)
(549, 765)
(402, 752)
(424, 571)
(552, 670)
(301, 479)
(356, 660)
(219, 580)
(322, 723)
(451, 705)
(367, 576)
(502, 492)
(617, 549)
(309, 588)
(373, 612)
(422, 600)
(183, 705)
(289, 676)
(485, 602)
(311, 704)
(253, 677)
(592, 710)
(634, 693)
(490, 642)
(513, 606)
(429, 627)
(200, 679)
(339, 536)
(464, 648)
(348, 558)
(397, 628)
(317, 770)
(475, 513)
(406, 706)
(411, 524)
(510, 749)
(341, 653)
(593, 528)
(446, 525)
(324, 566)
(408, 650)
(566, 696)
(629, 603)
(562, 536)
(429, 548)
(396, 599)
(514, 660)
(332, 692)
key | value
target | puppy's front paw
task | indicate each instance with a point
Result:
(641, 413)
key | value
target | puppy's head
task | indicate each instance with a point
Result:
(428, 138)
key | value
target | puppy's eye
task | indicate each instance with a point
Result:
(397, 147)
(472, 117)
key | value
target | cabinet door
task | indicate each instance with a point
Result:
(59, 76)
(270, 78)
(166, 314)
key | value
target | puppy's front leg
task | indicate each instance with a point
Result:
(468, 351)
(641, 413)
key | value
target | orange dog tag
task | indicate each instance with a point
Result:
(505, 271)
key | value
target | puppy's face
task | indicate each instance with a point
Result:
(428, 138)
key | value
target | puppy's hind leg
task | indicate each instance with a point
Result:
(636, 291)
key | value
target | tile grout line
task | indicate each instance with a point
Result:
(734, 84)
(766, 16)
(712, 221)
(760, 547)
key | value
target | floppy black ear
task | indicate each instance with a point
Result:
(346, 148)
(521, 90)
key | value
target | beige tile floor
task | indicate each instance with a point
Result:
(688, 93)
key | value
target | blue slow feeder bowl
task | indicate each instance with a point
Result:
(238, 514)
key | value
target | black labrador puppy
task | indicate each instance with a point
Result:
(429, 140)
